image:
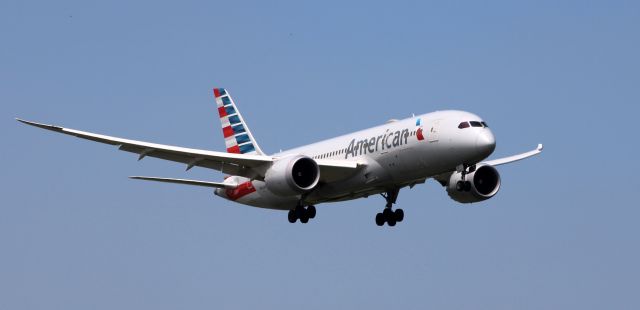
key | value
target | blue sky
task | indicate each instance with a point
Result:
(75, 233)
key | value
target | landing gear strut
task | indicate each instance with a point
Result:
(302, 213)
(388, 215)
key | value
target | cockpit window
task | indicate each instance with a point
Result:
(485, 124)
(475, 124)
(463, 125)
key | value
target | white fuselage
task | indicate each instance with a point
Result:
(396, 154)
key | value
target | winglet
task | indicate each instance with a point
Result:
(43, 126)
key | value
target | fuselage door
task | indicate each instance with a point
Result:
(433, 135)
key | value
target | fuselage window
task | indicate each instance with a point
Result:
(463, 125)
(475, 124)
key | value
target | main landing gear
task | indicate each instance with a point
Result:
(388, 215)
(464, 185)
(302, 213)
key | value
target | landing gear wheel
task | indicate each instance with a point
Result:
(304, 219)
(391, 222)
(459, 186)
(398, 215)
(467, 186)
(292, 216)
(311, 211)
(379, 219)
(387, 213)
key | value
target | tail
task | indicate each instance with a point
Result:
(237, 136)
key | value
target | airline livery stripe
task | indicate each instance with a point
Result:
(225, 122)
(234, 119)
(238, 128)
(227, 131)
(229, 142)
(246, 148)
(240, 191)
(219, 92)
(226, 101)
(230, 110)
(234, 149)
(222, 111)
(242, 138)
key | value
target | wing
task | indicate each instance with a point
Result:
(510, 159)
(247, 165)
(335, 170)
(251, 166)
(187, 182)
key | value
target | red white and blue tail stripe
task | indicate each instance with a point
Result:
(237, 136)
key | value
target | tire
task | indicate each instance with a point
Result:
(459, 186)
(379, 219)
(387, 213)
(467, 186)
(304, 219)
(398, 215)
(311, 211)
(391, 222)
(292, 216)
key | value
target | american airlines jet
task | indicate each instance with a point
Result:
(448, 146)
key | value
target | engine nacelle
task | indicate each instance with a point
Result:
(484, 181)
(292, 176)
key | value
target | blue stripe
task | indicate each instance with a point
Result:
(242, 138)
(238, 129)
(247, 148)
(418, 122)
(230, 110)
(234, 119)
(226, 101)
(222, 91)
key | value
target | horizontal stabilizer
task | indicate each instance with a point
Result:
(187, 182)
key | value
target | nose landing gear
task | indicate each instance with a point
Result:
(388, 215)
(464, 185)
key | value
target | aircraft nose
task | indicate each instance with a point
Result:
(485, 142)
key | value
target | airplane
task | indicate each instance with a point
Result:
(447, 146)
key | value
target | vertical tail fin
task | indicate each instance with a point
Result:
(237, 136)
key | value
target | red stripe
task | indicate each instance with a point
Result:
(216, 92)
(234, 149)
(242, 190)
(227, 131)
(222, 112)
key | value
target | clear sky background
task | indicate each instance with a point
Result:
(75, 233)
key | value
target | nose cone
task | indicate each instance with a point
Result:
(485, 143)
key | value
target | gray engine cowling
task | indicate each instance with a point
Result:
(292, 176)
(484, 181)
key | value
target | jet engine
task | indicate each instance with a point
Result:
(292, 176)
(481, 184)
